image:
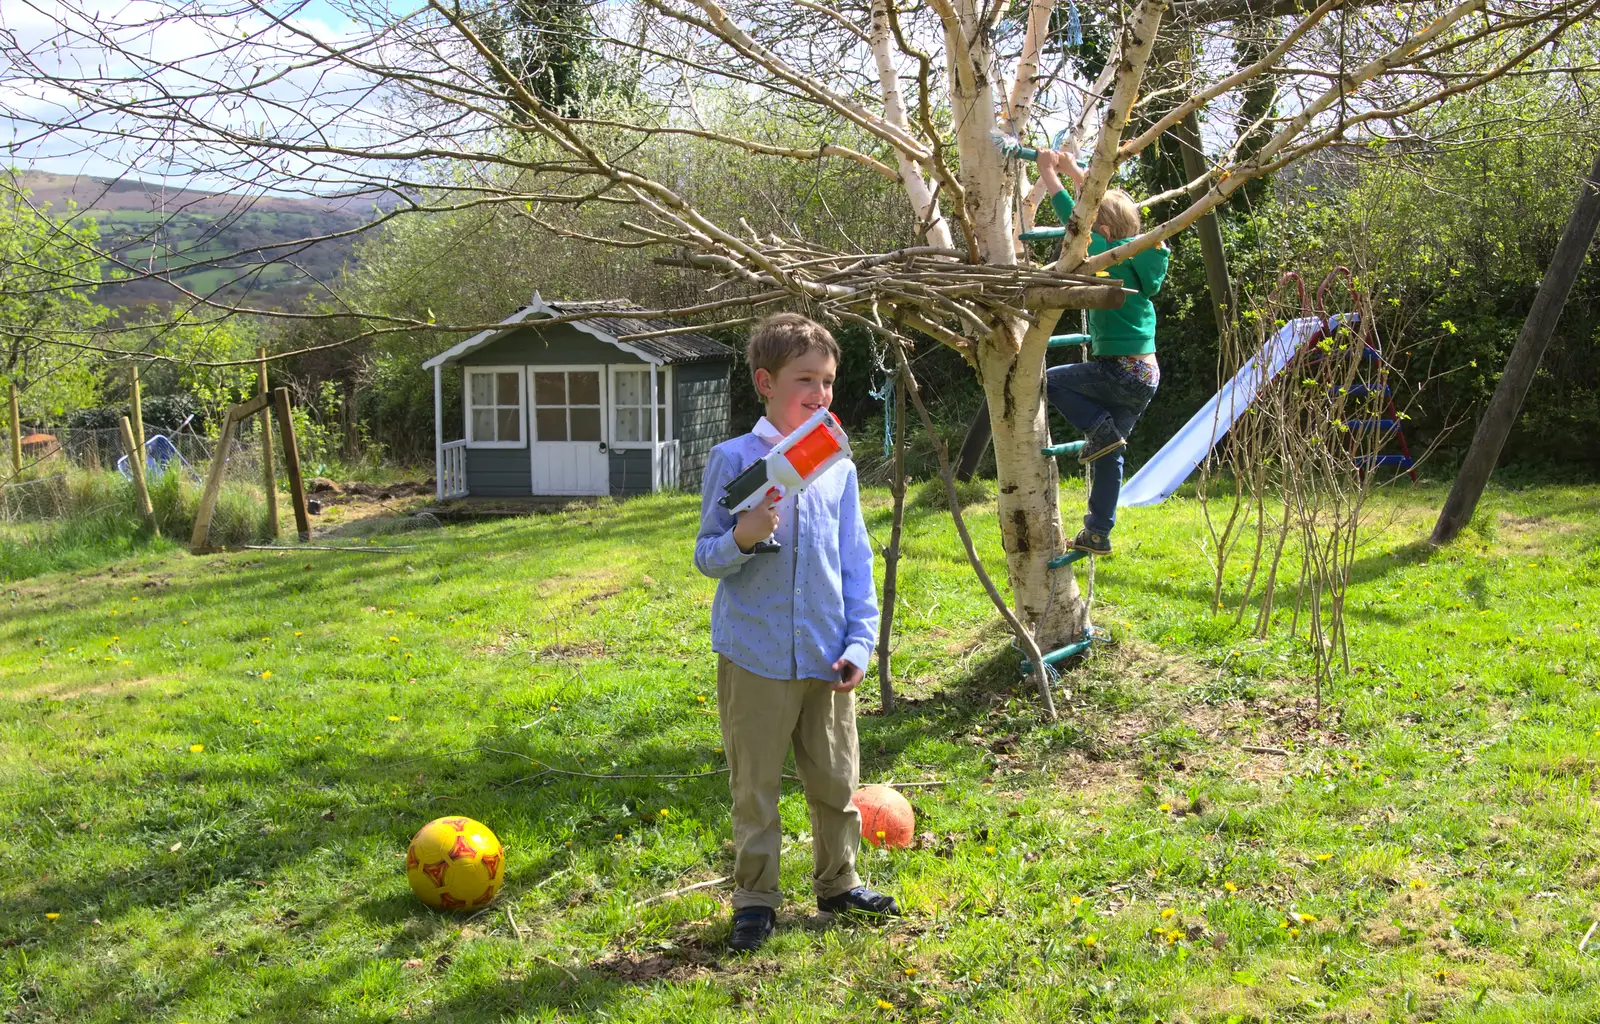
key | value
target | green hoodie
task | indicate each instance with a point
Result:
(1130, 330)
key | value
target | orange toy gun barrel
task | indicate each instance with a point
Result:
(793, 465)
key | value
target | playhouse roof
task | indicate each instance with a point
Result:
(686, 347)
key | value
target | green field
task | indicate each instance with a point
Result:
(211, 767)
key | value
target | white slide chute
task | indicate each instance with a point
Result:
(1171, 466)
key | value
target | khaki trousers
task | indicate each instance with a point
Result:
(760, 719)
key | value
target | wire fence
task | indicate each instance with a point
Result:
(53, 457)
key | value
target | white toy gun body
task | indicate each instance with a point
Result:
(793, 465)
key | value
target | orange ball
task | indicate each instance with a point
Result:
(886, 817)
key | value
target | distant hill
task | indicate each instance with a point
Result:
(215, 244)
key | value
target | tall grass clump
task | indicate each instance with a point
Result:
(90, 518)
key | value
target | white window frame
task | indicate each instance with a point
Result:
(522, 402)
(666, 400)
(567, 368)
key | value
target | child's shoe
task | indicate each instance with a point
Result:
(860, 900)
(1091, 542)
(1094, 448)
(752, 926)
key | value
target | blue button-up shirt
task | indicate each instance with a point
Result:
(789, 614)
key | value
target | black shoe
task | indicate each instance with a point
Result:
(1091, 542)
(860, 900)
(751, 927)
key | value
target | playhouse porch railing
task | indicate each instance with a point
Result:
(667, 464)
(453, 470)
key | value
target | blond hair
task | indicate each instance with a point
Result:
(1119, 215)
(784, 337)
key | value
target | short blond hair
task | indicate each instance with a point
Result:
(1119, 215)
(784, 337)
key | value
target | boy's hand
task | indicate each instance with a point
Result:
(850, 676)
(1048, 159)
(757, 524)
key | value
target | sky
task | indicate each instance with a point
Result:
(75, 144)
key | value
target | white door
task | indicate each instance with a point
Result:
(568, 441)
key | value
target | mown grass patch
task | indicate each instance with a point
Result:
(1423, 850)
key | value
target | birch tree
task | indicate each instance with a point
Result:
(254, 96)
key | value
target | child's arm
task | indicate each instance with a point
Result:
(860, 593)
(717, 552)
(1049, 160)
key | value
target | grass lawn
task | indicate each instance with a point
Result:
(210, 768)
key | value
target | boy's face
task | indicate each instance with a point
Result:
(799, 388)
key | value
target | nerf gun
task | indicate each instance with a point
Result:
(793, 465)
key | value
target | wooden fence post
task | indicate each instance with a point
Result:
(198, 542)
(136, 411)
(269, 476)
(291, 463)
(16, 432)
(141, 491)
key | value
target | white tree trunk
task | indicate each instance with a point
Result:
(1028, 498)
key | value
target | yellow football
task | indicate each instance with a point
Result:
(455, 863)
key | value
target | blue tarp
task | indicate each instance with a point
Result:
(159, 452)
(1171, 466)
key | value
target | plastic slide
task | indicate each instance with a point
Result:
(159, 453)
(1171, 466)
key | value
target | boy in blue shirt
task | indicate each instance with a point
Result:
(1105, 396)
(792, 630)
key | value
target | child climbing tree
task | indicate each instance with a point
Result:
(912, 94)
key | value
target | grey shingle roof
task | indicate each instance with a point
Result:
(689, 347)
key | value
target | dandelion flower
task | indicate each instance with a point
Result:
(1076, 901)
(988, 849)
(700, 700)
(911, 972)
(884, 1004)
(394, 639)
(297, 633)
(1165, 808)
(314, 738)
(115, 639)
(195, 748)
(1294, 933)
(1229, 886)
(1167, 913)
(127, 663)
(1090, 940)
(1417, 883)
(1323, 858)
(619, 835)
(388, 611)
(267, 674)
(882, 834)
(52, 917)
(394, 718)
(663, 812)
(255, 721)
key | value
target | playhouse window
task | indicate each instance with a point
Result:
(494, 407)
(566, 405)
(631, 405)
